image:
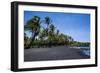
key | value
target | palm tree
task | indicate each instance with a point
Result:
(33, 25)
(48, 21)
(52, 28)
(57, 32)
(25, 40)
(71, 40)
(51, 34)
(25, 37)
(43, 34)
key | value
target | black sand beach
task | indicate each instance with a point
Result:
(53, 53)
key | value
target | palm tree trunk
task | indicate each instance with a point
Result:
(31, 42)
(33, 38)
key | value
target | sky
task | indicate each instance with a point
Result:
(76, 25)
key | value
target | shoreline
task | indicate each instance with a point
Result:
(53, 53)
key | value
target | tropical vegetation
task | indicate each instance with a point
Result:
(46, 36)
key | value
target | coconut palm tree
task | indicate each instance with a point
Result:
(33, 25)
(25, 40)
(52, 28)
(57, 32)
(48, 21)
(51, 34)
(70, 40)
(43, 34)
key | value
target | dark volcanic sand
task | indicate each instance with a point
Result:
(53, 53)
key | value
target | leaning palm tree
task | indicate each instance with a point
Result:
(25, 40)
(51, 34)
(52, 28)
(48, 21)
(43, 34)
(33, 25)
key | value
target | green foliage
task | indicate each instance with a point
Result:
(47, 37)
(78, 44)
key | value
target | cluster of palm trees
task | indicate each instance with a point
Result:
(44, 36)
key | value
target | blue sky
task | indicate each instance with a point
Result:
(74, 24)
